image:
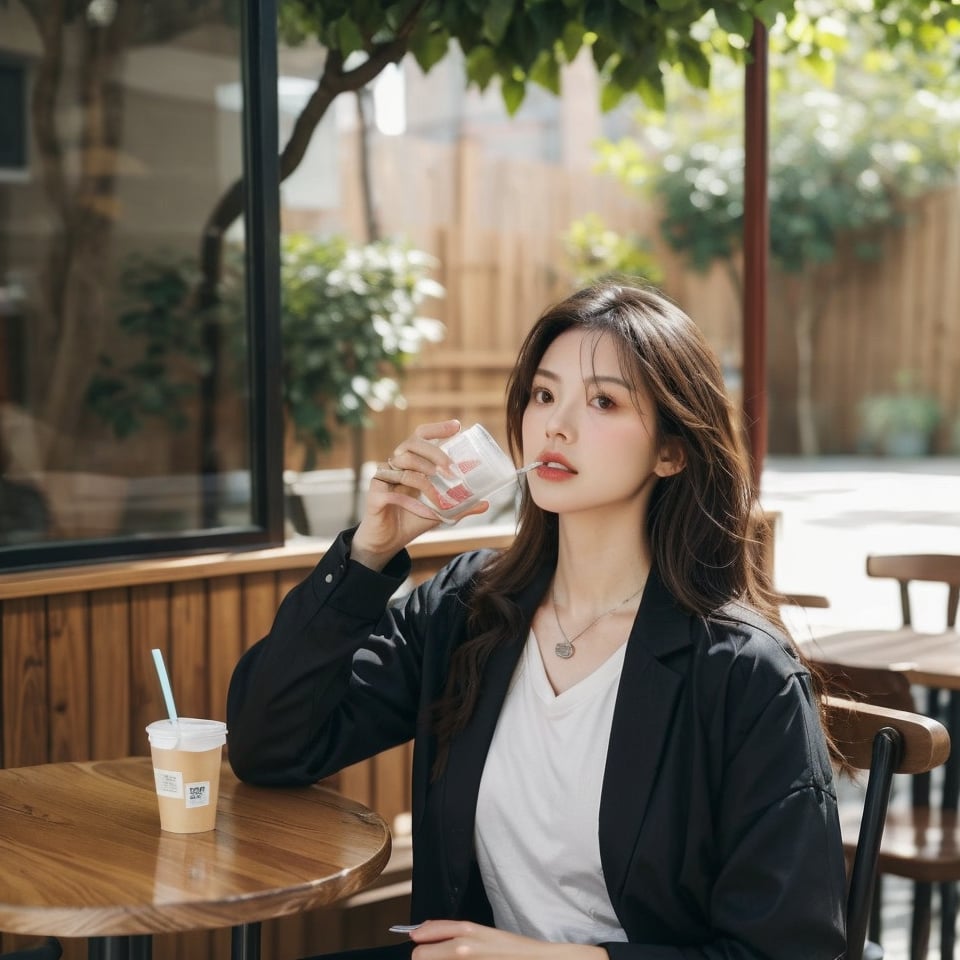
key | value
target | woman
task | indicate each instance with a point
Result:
(616, 747)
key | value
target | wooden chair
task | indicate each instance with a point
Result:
(814, 600)
(919, 842)
(937, 861)
(883, 741)
(930, 567)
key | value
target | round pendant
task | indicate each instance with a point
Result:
(564, 650)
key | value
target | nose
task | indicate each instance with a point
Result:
(559, 425)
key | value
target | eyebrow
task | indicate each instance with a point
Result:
(619, 381)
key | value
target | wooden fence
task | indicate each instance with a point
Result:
(495, 224)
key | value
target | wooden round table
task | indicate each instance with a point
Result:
(84, 855)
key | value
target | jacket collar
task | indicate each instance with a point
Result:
(647, 700)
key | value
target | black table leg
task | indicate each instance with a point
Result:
(141, 948)
(948, 919)
(245, 942)
(108, 948)
(951, 769)
(920, 928)
(120, 948)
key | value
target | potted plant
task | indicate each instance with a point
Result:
(901, 422)
(350, 324)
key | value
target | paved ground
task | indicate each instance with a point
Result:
(835, 511)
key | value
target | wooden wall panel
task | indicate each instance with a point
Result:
(26, 709)
(391, 783)
(225, 640)
(259, 606)
(110, 692)
(188, 648)
(149, 629)
(69, 677)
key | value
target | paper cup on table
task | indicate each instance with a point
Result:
(186, 768)
(480, 469)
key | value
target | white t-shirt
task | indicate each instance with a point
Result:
(538, 810)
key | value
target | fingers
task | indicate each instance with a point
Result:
(388, 473)
(418, 458)
(433, 931)
(410, 504)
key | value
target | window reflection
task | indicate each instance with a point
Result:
(124, 394)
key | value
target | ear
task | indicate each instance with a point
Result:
(671, 459)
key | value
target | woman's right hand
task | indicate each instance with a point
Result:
(393, 516)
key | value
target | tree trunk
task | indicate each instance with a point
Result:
(372, 225)
(75, 275)
(804, 330)
(333, 81)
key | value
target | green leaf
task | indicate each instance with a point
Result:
(481, 66)
(572, 39)
(696, 67)
(546, 72)
(627, 73)
(349, 38)
(496, 19)
(513, 92)
(733, 19)
(767, 11)
(611, 95)
(429, 48)
(652, 93)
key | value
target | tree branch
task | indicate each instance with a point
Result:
(333, 81)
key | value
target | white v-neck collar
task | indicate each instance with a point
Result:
(607, 674)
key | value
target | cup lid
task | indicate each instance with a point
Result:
(187, 733)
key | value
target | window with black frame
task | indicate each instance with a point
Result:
(138, 347)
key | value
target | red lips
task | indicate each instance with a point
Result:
(549, 457)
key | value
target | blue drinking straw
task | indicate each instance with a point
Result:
(165, 684)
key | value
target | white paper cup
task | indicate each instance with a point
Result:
(480, 469)
(186, 769)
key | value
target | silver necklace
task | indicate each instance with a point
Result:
(564, 648)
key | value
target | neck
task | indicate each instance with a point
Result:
(597, 565)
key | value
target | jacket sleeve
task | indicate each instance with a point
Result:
(778, 890)
(339, 676)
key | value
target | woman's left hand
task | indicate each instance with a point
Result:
(464, 940)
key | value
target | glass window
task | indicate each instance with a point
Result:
(135, 344)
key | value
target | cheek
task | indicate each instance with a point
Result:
(527, 424)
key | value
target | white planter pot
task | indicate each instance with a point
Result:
(325, 496)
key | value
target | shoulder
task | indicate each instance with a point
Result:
(453, 581)
(744, 663)
(463, 568)
(738, 637)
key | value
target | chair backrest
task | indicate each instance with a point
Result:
(793, 599)
(931, 567)
(883, 741)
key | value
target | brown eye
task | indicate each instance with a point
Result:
(541, 395)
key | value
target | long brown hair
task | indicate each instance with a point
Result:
(702, 521)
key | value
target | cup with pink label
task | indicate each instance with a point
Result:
(481, 468)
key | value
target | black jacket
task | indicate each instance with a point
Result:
(719, 835)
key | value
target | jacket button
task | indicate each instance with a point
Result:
(328, 578)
